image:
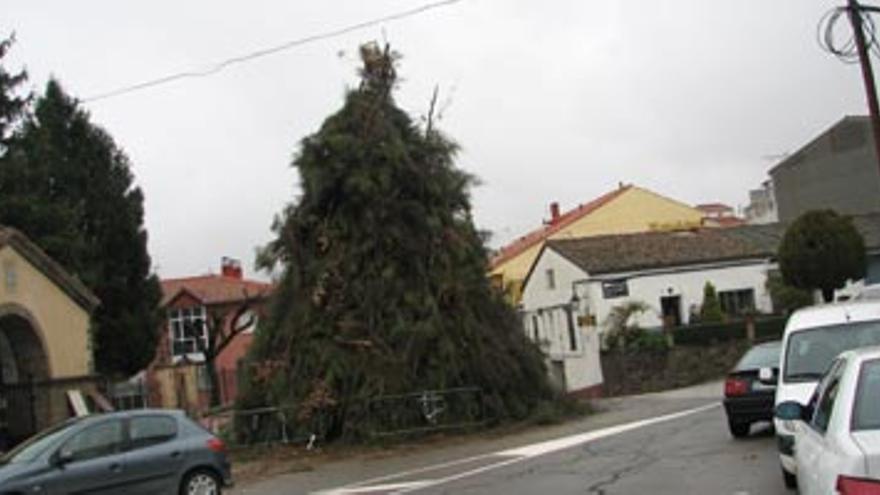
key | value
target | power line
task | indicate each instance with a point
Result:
(219, 66)
(846, 49)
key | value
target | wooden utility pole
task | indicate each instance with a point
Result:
(855, 18)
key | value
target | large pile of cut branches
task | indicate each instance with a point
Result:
(383, 287)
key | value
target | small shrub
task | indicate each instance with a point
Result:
(710, 312)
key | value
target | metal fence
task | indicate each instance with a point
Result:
(389, 415)
(427, 411)
(29, 406)
(252, 427)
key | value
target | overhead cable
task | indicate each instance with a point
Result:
(224, 64)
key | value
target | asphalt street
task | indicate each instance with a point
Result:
(637, 445)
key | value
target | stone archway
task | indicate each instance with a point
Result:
(23, 363)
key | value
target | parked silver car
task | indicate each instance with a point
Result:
(133, 452)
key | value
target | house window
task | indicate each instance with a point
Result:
(188, 332)
(572, 331)
(551, 279)
(535, 328)
(612, 289)
(737, 302)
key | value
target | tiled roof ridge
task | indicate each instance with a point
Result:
(38, 258)
(671, 232)
(212, 276)
(741, 243)
(528, 240)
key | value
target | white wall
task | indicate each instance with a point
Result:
(687, 283)
(548, 307)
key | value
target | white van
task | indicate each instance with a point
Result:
(813, 337)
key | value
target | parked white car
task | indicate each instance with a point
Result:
(837, 447)
(814, 336)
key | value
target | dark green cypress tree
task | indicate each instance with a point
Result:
(384, 286)
(822, 250)
(67, 186)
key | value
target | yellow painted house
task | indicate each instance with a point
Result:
(624, 210)
(45, 343)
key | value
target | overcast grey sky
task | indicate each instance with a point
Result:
(553, 100)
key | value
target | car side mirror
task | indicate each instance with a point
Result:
(790, 410)
(766, 375)
(62, 458)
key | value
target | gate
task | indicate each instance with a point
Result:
(17, 413)
(30, 406)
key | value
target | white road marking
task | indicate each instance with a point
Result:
(511, 456)
(379, 488)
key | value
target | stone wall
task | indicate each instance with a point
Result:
(640, 372)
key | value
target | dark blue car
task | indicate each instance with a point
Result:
(133, 453)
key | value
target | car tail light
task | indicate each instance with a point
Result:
(735, 386)
(216, 445)
(847, 485)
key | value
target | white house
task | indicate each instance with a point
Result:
(575, 283)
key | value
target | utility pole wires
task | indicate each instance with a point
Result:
(857, 48)
(219, 66)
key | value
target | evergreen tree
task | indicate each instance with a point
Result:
(384, 286)
(12, 106)
(710, 311)
(68, 187)
(822, 250)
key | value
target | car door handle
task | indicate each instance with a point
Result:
(116, 467)
(175, 454)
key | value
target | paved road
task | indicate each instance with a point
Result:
(624, 450)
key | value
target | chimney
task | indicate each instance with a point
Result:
(554, 212)
(230, 267)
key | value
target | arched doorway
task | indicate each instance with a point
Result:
(23, 363)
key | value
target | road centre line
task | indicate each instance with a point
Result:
(510, 456)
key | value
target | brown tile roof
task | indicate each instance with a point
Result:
(642, 251)
(525, 242)
(71, 285)
(214, 289)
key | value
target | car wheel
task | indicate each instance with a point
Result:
(789, 479)
(200, 482)
(738, 430)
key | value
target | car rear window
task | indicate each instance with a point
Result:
(762, 356)
(866, 411)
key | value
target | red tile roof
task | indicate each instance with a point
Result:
(214, 289)
(711, 207)
(522, 244)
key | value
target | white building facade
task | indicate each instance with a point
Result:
(552, 320)
(574, 284)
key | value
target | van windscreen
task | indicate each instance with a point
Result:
(810, 352)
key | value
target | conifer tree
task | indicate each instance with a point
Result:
(384, 287)
(65, 184)
(12, 104)
(822, 250)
